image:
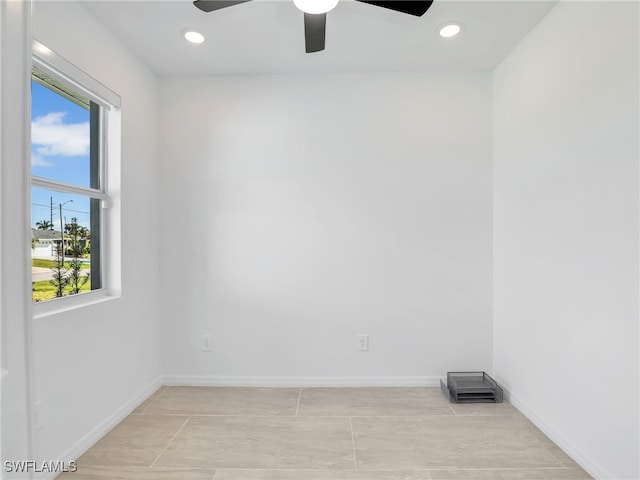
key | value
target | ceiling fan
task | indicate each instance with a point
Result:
(315, 14)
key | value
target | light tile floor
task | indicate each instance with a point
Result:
(202, 433)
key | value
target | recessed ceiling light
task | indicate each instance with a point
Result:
(449, 30)
(193, 36)
(315, 6)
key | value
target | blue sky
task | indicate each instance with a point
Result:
(59, 151)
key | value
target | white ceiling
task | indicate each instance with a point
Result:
(267, 36)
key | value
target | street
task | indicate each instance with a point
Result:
(39, 274)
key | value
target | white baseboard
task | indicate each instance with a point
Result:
(227, 381)
(103, 427)
(592, 469)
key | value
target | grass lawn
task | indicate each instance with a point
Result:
(44, 290)
(44, 263)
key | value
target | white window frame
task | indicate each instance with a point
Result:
(47, 61)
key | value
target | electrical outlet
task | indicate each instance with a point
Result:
(363, 342)
(206, 343)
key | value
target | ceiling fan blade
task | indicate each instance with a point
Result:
(314, 29)
(412, 7)
(211, 5)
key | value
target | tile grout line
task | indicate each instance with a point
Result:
(170, 441)
(353, 445)
(298, 405)
(550, 452)
(488, 469)
(422, 416)
(160, 394)
(164, 388)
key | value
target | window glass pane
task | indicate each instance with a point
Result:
(59, 218)
(61, 140)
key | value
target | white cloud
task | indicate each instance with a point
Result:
(51, 136)
(38, 161)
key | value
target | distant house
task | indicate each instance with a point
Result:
(46, 243)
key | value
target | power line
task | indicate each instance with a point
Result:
(66, 209)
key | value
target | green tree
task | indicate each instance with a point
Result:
(81, 233)
(44, 225)
(77, 234)
(59, 279)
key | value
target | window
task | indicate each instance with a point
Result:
(70, 198)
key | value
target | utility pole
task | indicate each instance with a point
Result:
(62, 239)
(62, 230)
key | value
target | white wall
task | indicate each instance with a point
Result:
(15, 387)
(93, 361)
(566, 231)
(300, 211)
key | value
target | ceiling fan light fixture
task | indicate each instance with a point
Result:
(449, 30)
(315, 6)
(192, 36)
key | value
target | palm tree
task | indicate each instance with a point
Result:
(44, 225)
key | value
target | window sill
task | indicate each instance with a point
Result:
(66, 304)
